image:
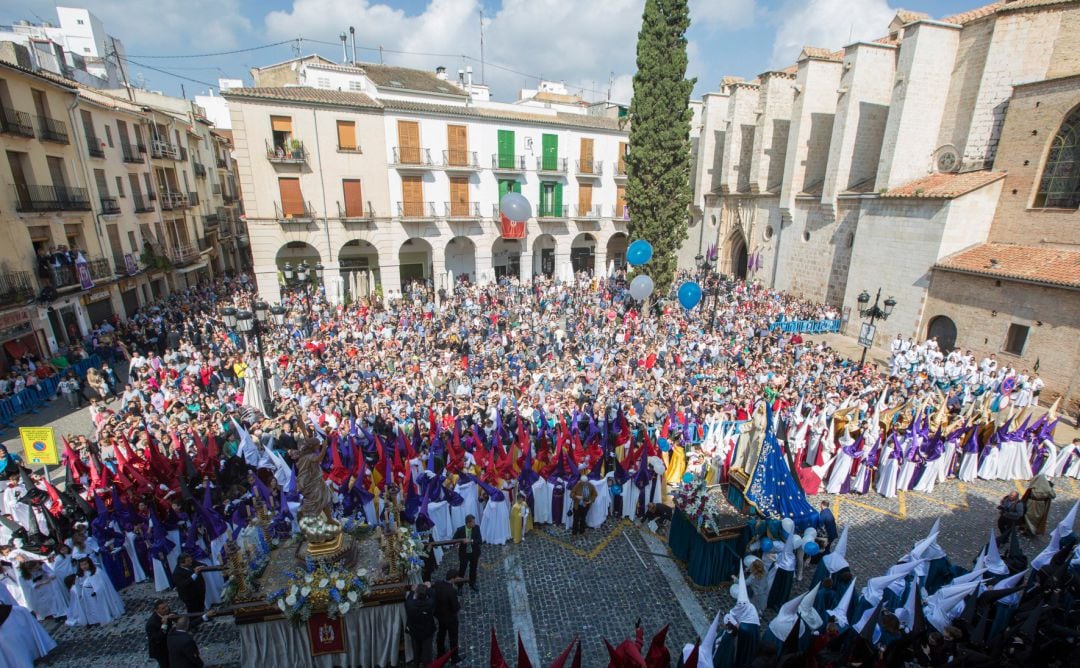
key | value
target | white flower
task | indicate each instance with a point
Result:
(340, 584)
(343, 607)
(352, 596)
(362, 572)
(290, 600)
(323, 582)
(305, 591)
(308, 578)
(293, 590)
(282, 604)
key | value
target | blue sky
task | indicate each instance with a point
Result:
(587, 44)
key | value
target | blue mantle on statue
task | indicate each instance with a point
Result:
(772, 489)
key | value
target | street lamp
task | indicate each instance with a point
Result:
(278, 311)
(287, 270)
(874, 312)
(302, 271)
(228, 314)
(319, 269)
(247, 322)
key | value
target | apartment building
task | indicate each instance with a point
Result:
(382, 175)
(885, 164)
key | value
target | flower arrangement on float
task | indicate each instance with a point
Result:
(411, 550)
(319, 587)
(318, 529)
(700, 506)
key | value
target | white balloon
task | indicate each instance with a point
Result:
(809, 535)
(796, 542)
(734, 591)
(641, 287)
(788, 525)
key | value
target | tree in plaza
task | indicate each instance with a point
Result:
(658, 163)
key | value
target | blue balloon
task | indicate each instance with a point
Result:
(688, 477)
(664, 444)
(766, 545)
(810, 549)
(638, 253)
(689, 295)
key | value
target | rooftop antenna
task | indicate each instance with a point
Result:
(483, 70)
(344, 49)
(610, 83)
(297, 49)
(380, 55)
(352, 32)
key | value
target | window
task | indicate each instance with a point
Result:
(281, 129)
(459, 196)
(412, 196)
(80, 22)
(292, 199)
(355, 86)
(506, 149)
(551, 200)
(323, 82)
(120, 186)
(408, 142)
(457, 143)
(1059, 187)
(354, 199)
(508, 185)
(108, 136)
(550, 147)
(1016, 339)
(346, 135)
(86, 49)
(621, 211)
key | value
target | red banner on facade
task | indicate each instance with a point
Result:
(512, 229)
(327, 636)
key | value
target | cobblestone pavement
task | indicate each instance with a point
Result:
(595, 586)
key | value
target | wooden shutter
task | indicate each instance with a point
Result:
(550, 153)
(584, 200)
(354, 198)
(556, 209)
(457, 141)
(281, 124)
(586, 156)
(620, 202)
(623, 147)
(292, 200)
(346, 135)
(459, 196)
(408, 142)
(412, 195)
(506, 149)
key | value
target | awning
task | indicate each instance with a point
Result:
(192, 267)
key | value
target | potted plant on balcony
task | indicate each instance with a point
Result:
(296, 148)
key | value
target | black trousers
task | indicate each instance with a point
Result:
(447, 628)
(422, 650)
(471, 561)
(579, 519)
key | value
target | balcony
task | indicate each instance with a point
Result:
(293, 154)
(622, 212)
(620, 171)
(211, 222)
(594, 212)
(181, 254)
(16, 287)
(133, 156)
(461, 210)
(553, 213)
(110, 205)
(163, 150)
(407, 158)
(172, 200)
(367, 212)
(93, 147)
(51, 198)
(120, 267)
(18, 123)
(460, 161)
(225, 229)
(66, 276)
(294, 217)
(551, 166)
(183, 154)
(193, 198)
(142, 205)
(200, 170)
(220, 163)
(52, 130)
(228, 197)
(416, 210)
(507, 164)
(589, 169)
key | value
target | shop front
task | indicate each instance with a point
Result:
(19, 338)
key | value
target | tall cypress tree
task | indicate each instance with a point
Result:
(658, 188)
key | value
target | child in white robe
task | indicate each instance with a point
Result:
(45, 594)
(22, 638)
(93, 598)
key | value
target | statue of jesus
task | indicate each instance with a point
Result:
(309, 480)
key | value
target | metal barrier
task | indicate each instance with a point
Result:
(807, 326)
(32, 399)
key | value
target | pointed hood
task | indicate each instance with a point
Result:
(834, 561)
(976, 575)
(940, 611)
(1064, 528)
(705, 658)
(875, 587)
(744, 611)
(787, 618)
(839, 613)
(1009, 583)
(992, 560)
(927, 548)
(807, 613)
(910, 612)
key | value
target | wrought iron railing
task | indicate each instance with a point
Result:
(416, 210)
(461, 209)
(367, 212)
(93, 147)
(411, 156)
(141, 205)
(457, 159)
(171, 200)
(16, 122)
(193, 198)
(181, 254)
(589, 212)
(294, 153)
(132, 155)
(551, 165)
(200, 170)
(16, 286)
(590, 167)
(556, 212)
(110, 205)
(163, 150)
(51, 198)
(505, 162)
(53, 130)
(306, 215)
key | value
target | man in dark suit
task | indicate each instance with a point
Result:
(183, 652)
(446, 613)
(420, 622)
(157, 632)
(190, 585)
(468, 549)
(827, 522)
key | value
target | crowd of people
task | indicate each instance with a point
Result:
(489, 409)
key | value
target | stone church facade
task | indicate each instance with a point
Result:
(940, 163)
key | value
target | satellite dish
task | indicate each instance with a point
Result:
(947, 159)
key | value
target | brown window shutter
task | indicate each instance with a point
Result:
(292, 200)
(412, 195)
(281, 124)
(354, 198)
(584, 198)
(586, 155)
(458, 142)
(620, 201)
(409, 141)
(346, 135)
(622, 157)
(459, 196)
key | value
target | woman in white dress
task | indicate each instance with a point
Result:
(991, 460)
(1015, 463)
(45, 594)
(841, 467)
(93, 598)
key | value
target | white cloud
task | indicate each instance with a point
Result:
(828, 24)
(562, 40)
(722, 14)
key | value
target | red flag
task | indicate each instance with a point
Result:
(497, 660)
(338, 473)
(523, 656)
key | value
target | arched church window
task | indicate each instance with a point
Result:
(1059, 187)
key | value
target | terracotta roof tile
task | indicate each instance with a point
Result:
(821, 54)
(973, 14)
(944, 186)
(558, 98)
(1039, 264)
(304, 94)
(907, 16)
(407, 78)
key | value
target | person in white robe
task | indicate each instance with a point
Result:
(495, 522)
(598, 511)
(46, 595)
(541, 491)
(1014, 464)
(22, 638)
(469, 505)
(93, 598)
(841, 467)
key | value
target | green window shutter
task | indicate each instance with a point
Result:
(517, 186)
(542, 201)
(506, 149)
(504, 187)
(556, 208)
(550, 152)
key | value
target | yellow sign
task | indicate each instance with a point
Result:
(39, 446)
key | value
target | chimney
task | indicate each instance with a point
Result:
(440, 73)
(468, 77)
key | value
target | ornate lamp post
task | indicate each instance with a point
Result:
(247, 322)
(874, 313)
